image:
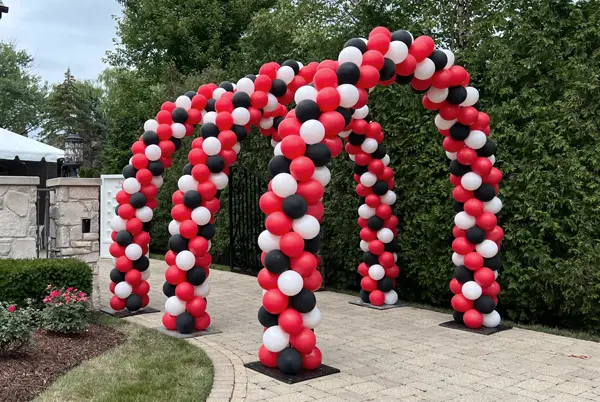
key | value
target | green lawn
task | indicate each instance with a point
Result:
(148, 366)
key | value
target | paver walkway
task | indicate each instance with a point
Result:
(395, 355)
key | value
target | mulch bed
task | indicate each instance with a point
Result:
(29, 371)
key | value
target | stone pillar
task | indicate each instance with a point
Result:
(74, 220)
(18, 226)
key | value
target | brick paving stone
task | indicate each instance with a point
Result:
(396, 355)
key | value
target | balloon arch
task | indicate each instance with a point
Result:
(331, 105)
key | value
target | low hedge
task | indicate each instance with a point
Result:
(24, 279)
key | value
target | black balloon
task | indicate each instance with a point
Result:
(493, 263)
(404, 79)
(133, 302)
(458, 206)
(458, 169)
(210, 105)
(276, 121)
(176, 142)
(485, 192)
(356, 139)
(129, 171)
(207, 231)
(180, 115)
(156, 168)
(192, 199)
(380, 153)
(185, 323)
(241, 99)
(364, 296)
(385, 284)
(289, 361)
(488, 149)
(295, 206)
(463, 274)
(312, 245)
(150, 137)
(267, 319)
(279, 164)
(388, 70)
(304, 301)
(358, 169)
(168, 289)
(278, 87)
(187, 169)
(142, 263)
(456, 95)
(485, 304)
(346, 114)
(458, 317)
(226, 85)
(277, 262)
(475, 235)
(392, 246)
(147, 226)
(117, 210)
(403, 36)
(348, 73)
(357, 43)
(439, 58)
(137, 200)
(307, 110)
(370, 259)
(293, 64)
(319, 153)
(124, 238)
(116, 276)
(380, 187)
(196, 276)
(215, 163)
(209, 130)
(375, 223)
(178, 243)
(190, 94)
(459, 132)
(240, 132)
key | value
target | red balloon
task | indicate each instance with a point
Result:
(461, 303)
(473, 318)
(460, 194)
(145, 301)
(302, 168)
(459, 74)
(392, 272)
(180, 213)
(278, 223)
(311, 190)
(466, 156)
(328, 99)
(379, 42)
(487, 221)
(133, 277)
(441, 79)
(473, 261)
(473, 207)
(291, 321)
(317, 210)
(170, 257)
(452, 145)
(291, 244)
(455, 286)
(174, 275)
(468, 115)
(198, 246)
(384, 211)
(462, 246)
(197, 156)
(492, 290)
(126, 211)
(374, 59)
(202, 322)
(304, 342)
(495, 235)
(270, 203)
(185, 291)
(377, 297)
(196, 306)
(312, 360)
(142, 289)
(305, 264)
(188, 229)
(266, 357)
(482, 166)
(369, 284)
(134, 226)
(333, 122)
(458, 232)
(275, 302)
(123, 264)
(376, 247)
(373, 200)
(169, 321)
(484, 277)
(369, 75)
(164, 131)
(267, 280)
(325, 78)
(313, 282)
(227, 138)
(207, 190)
(494, 177)
(367, 234)
(117, 304)
(293, 146)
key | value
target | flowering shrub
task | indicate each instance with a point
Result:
(65, 310)
(16, 326)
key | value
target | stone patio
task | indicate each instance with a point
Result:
(394, 355)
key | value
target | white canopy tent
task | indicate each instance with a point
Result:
(13, 145)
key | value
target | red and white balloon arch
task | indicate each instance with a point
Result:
(331, 106)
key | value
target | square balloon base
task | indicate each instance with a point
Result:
(175, 334)
(126, 313)
(361, 303)
(482, 331)
(322, 371)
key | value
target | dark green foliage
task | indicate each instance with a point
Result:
(24, 279)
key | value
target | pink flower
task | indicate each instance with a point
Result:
(81, 294)
(54, 293)
(60, 304)
(67, 298)
(11, 309)
(69, 289)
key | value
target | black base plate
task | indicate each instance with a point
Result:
(482, 331)
(175, 334)
(322, 371)
(361, 303)
(127, 313)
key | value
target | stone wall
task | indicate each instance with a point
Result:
(73, 201)
(18, 227)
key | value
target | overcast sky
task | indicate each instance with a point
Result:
(61, 34)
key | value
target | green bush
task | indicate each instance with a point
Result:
(27, 279)
(16, 326)
(65, 311)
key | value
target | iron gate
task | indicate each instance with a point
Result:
(44, 235)
(246, 220)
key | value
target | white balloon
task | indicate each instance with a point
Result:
(211, 146)
(290, 283)
(220, 179)
(492, 159)
(201, 216)
(472, 97)
(476, 139)
(267, 241)
(350, 54)
(305, 92)
(471, 290)
(391, 297)
(184, 102)
(395, 257)
(451, 155)
(187, 183)
(425, 69)
(450, 57)
(369, 145)
(312, 318)
(307, 227)
(463, 220)
(364, 246)
(150, 125)
(386, 160)
(202, 290)
(312, 131)
(471, 181)
(397, 51)
(352, 157)
(487, 249)
(385, 235)
(437, 95)
(349, 95)
(443, 124)
(491, 320)
(117, 223)
(300, 65)
(458, 259)
(275, 339)
(496, 274)
(284, 185)
(376, 272)
(218, 92)
(145, 275)
(178, 130)
(389, 198)
(241, 116)
(153, 152)
(237, 147)
(123, 290)
(286, 74)
(365, 211)
(157, 181)
(272, 102)
(185, 260)
(344, 134)
(174, 306)
(209, 117)
(266, 123)
(494, 205)
(174, 227)
(361, 113)
(368, 179)
(245, 85)
(322, 175)
(276, 148)
(131, 185)
(144, 214)
(134, 251)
